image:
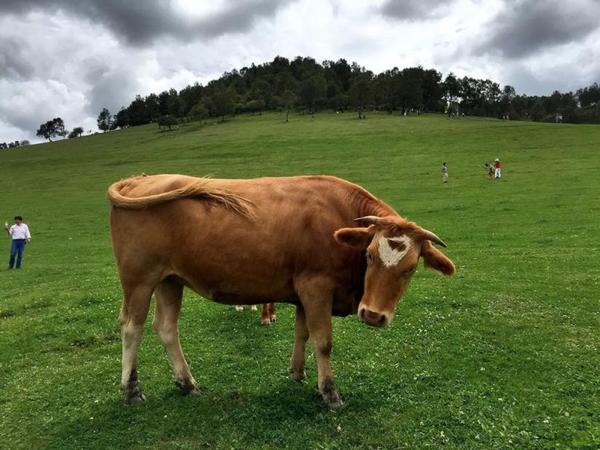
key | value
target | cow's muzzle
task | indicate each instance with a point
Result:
(373, 318)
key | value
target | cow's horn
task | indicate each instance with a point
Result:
(430, 236)
(369, 220)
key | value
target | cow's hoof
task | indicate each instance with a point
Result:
(333, 400)
(337, 404)
(187, 388)
(297, 375)
(134, 398)
(265, 322)
(330, 395)
(273, 318)
(192, 392)
(132, 391)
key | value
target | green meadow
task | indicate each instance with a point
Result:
(505, 354)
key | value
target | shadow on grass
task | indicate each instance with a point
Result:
(256, 406)
(282, 415)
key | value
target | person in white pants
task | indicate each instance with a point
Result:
(497, 168)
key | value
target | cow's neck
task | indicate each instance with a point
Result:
(366, 204)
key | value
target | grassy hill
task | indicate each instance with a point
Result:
(504, 354)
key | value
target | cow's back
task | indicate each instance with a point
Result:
(235, 257)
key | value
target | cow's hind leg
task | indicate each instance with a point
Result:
(272, 315)
(300, 338)
(134, 310)
(168, 295)
(267, 314)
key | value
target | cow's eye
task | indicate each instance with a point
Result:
(409, 272)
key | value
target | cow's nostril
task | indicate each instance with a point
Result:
(372, 318)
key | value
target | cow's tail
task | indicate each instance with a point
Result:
(117, 195)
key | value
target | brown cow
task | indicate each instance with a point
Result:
(290, 240)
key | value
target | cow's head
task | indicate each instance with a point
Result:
(393, 246)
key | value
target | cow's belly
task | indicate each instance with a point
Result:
(236, 286)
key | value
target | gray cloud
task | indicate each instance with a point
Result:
(525, 27)
(528, 79)
(109, 88)
(71, 58)
(140, 22)
(413, 9)
(14, 63)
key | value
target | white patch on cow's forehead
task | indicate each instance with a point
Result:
(390, 256)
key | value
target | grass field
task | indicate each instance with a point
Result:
(504, 354)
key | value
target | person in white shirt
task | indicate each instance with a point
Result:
(444, 172)
(20, 235)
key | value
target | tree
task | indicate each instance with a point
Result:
(261, 90)
(432, 90)
(360, 92)
(508, 95)
(451, 89)
(52, 128)
(311, 91)
(589, 96)
(254, 106)
(222, 103)
(190, 96)
(163, 103)
(288, 99)
(137, 112)
(121, 119)
(199, 111)
(77, 132)
(104, 120)
(409, 89)
(385, 89)
(174, 104)
(152, 107)
(167, 121)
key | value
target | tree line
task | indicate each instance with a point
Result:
(15, 144)
(303, 84)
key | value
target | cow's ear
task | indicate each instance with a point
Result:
(358, 238)
(436, 260)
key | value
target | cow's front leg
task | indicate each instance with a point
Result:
(300, 338)
(317, 309)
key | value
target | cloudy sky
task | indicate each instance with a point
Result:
(71, 58)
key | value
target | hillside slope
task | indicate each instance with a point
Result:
(503, 354)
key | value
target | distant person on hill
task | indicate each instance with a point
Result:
(444, 172)
(498, 169)
(19, 233)
(489, 169)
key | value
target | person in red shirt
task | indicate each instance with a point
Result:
(497, 168)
